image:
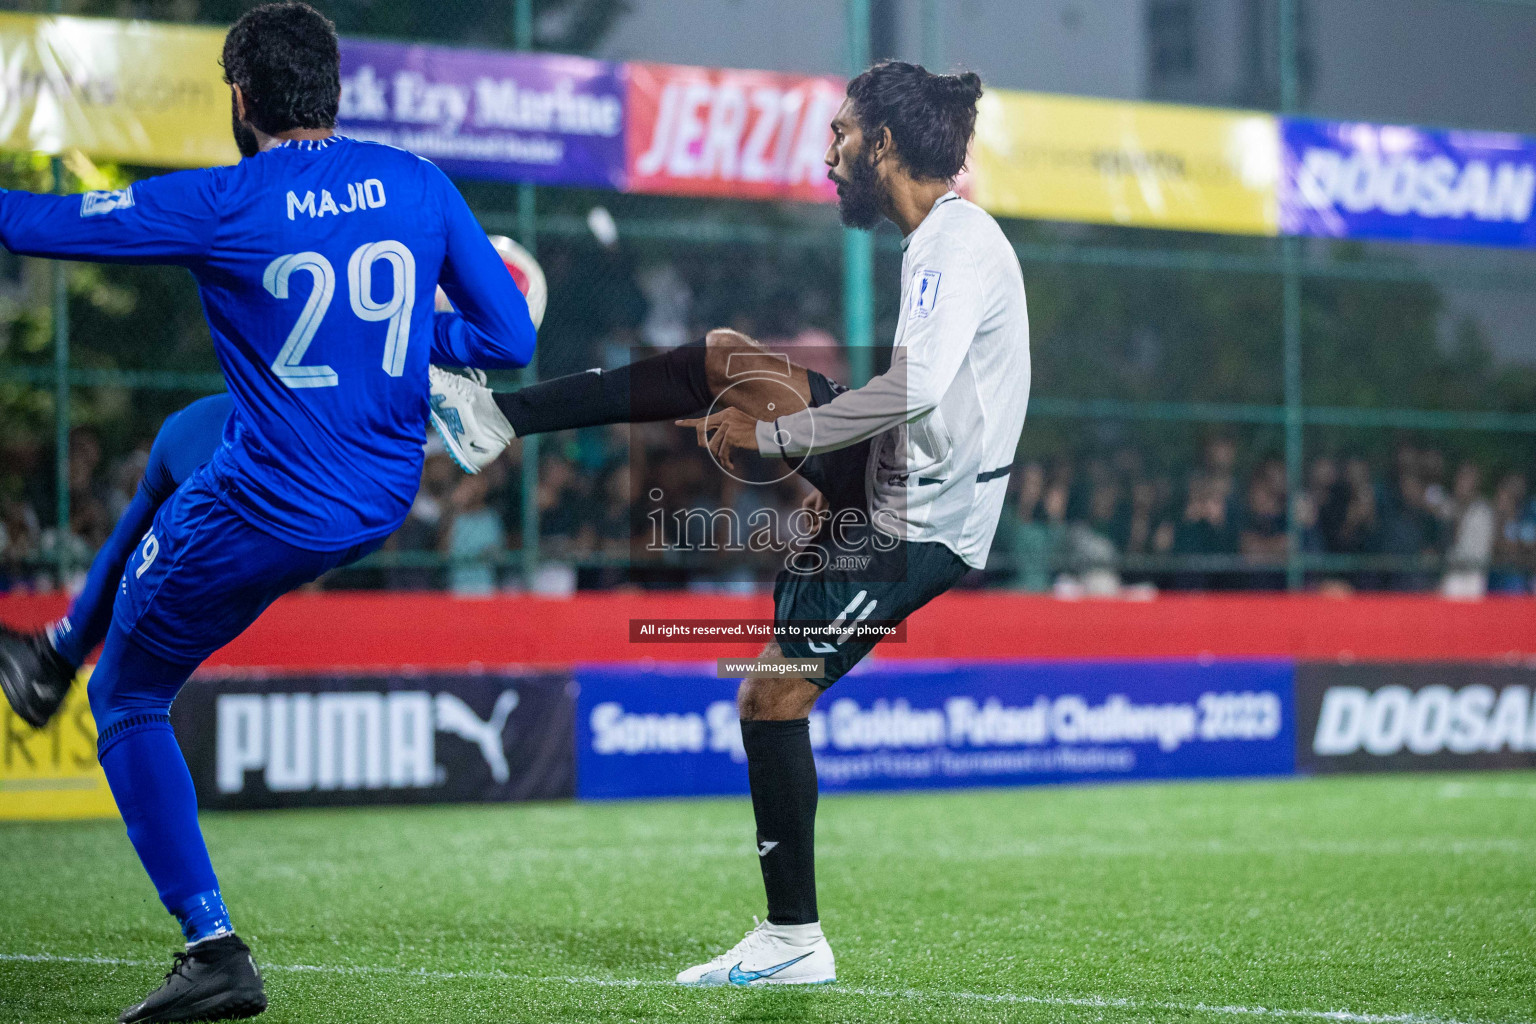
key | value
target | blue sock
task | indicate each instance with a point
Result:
(204, 916)
(131, 692)
(76, 635)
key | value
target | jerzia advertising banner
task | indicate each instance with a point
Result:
(1352, 180)
(253, 740)
(1140, 164)
(542, 118)
(673, 731)
(723, 132)
(1383, 717)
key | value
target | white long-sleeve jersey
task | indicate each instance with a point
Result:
(947, 415)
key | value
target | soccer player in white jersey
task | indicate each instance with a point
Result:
(910, 469)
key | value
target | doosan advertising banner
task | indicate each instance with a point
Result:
(673, 730)
(1352, 180)
(1411, 716)
(723, 132)
(541, 118)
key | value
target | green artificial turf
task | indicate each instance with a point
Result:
(1411, 898)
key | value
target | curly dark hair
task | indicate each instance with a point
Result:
(285, 59)
(931, 117)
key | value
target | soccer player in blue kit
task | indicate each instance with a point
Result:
(36, 671)
(316, 258)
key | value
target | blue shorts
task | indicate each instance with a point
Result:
(202, 574)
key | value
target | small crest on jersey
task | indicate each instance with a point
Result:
(95, 204)
(925, 292)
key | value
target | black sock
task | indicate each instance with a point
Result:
(782, 774)
(665, 387)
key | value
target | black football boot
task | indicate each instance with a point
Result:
(34, 676)
(214, 980)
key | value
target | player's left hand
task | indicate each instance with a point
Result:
(724, 432)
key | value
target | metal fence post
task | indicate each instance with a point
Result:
(1294, 440)
(528, 232)
(858, 246)
(60, 283)
(527, 229)
(1291, 322)
(933, 36)
(61, 411)
(522, 24)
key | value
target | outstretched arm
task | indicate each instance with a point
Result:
(167, 219)
(490, 328)
(944, 308)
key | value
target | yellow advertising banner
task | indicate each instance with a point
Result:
(52, 773)
(1114, 162)
(126, 91)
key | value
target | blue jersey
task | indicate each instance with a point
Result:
(317, 262)
(187, 439)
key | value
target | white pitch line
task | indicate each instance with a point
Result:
(927, 995)
(835, 846)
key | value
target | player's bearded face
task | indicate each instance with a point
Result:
(858, 195)
(245, 137)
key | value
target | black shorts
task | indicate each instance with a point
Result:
(839, 475)
(851, 571)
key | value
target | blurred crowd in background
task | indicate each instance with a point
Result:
(1096, 506)
(1418, 524)
(1106, 523)
(1098, 525)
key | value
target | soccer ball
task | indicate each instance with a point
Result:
(525, 271)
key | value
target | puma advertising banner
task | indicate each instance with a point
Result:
(255, 740)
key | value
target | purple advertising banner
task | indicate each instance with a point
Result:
(540, 118)
(1353, 180)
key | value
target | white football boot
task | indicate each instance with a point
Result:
(770, 955)
(466, 417)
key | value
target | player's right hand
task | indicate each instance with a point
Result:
(723, 432)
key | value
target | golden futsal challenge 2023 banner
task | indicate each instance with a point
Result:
(1151, 165)
(123, 91)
